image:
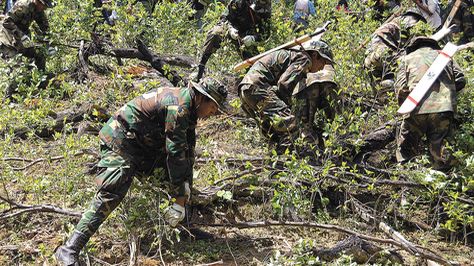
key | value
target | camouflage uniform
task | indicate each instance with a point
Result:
(14, 30)
(155, 130)
(386, 42)
(242, 17)
(464, 18)
(267, 88)
(313, 96)
(433, 116)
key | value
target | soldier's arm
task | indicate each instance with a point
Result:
(42, 21)
(293, 74)
(177, 158)
(459, 79)
(17, 14)
(401, 81)
(263, 28)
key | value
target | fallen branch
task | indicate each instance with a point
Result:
(422, 252)
(72, 115)
(19, 208)
(39, 160)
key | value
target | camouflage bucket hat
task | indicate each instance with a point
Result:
(321, 47)
(212, 89)
(421, 41)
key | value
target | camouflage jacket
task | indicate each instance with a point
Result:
(442, 95)
(16, 23)
(158, 126)
(464, 18)
(245, 20)
(283, 68)
(395, 32)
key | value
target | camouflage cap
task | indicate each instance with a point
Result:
(326, 76)
(321, 47)
(47, 3)
(421, 41)
(212, 89)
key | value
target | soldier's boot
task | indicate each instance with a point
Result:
(68, 254)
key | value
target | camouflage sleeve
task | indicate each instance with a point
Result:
(263, 29)
(18, 13)
(401, 81)
(177, 158)
(42, 21)
(292, 75)
(459, 79)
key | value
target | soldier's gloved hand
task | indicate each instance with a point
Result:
(26, 42)
(234, 33)
(249, 40)
(174, 214)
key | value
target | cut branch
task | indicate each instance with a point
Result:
(422, 252)
(19, 209)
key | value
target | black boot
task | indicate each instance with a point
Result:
(68, 254)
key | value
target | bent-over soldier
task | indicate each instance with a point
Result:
(314, 95)
(155, 130)
(267, 88)
(386, 41)
(434, 115)
(245, 22)
(464, 19)
(15, 31)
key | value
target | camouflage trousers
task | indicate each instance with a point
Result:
(214, 39)
(379, 60)
(435, 127)
(273, 114)
(113, 182)
(466, 25)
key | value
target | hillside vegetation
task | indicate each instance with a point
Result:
(49, 146)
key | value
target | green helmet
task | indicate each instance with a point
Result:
(212, 89)
(321, 47)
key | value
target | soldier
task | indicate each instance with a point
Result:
(15, 30)
(387, 40)
(382, 6)
(245, 23)
(266, 89)
(314, 95)
(303, 9)
(155, 130)
(434, 115)
(464, 19)
(431, 12)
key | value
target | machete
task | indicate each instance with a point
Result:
(296, 41)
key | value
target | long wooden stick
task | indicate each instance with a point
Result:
(296, 41)
(452, 13)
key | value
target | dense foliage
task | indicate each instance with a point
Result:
(66, 183)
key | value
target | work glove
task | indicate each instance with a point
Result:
(174, 214)
(26, 42)
(234, 33)
(249, 40)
